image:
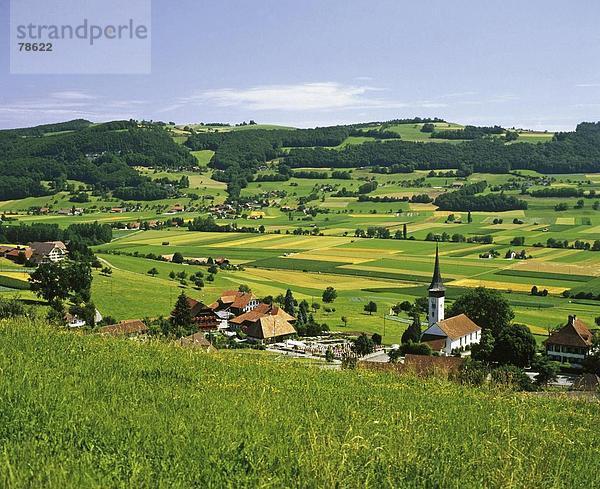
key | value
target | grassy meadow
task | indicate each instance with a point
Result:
(87, 411)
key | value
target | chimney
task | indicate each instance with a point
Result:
(572, 319)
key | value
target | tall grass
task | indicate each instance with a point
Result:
(86, 411)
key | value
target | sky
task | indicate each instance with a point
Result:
(532, 64)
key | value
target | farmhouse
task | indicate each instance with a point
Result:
(235, 302)
(48, 252)
(73, 321)
(571, 343)
(450, 335)
(265, 323)
(18, 254)
(203, 316)
(130, 328)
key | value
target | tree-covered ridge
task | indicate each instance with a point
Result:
(74, 125)
(573, 152)
(100, 155)
(467, 199)
(468, 132)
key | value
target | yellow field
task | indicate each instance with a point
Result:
(395, 270)
(319, 281)
(16, 275)
(422, 207)
(553, 267)
(242, 242)
(591, 230)
(308, 242)
(469, 282)
(565, 220)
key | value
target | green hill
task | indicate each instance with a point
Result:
(85, 411)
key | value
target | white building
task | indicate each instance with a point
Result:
(452, 335)
(48, 252)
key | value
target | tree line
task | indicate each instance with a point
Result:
(101, 156)
(577, 152)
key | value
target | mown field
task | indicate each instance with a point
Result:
(86, 411)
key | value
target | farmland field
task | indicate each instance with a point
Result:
(307, 251)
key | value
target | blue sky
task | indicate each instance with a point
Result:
(306, 62)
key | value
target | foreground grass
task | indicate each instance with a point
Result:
(84, 411)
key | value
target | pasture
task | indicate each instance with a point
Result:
(90, 411)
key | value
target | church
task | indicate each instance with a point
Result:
(447, 336)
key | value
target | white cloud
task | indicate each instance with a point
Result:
(307, 96)
(587, 85)
(69, 104)
(298, 98)
(72, 95)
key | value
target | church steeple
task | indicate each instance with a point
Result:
(437, 293)
(436, 281)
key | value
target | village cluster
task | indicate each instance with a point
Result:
(241, 317)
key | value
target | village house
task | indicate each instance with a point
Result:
(203, 316)
(72, 321)
(448, 336)
(265, 323)
(129, 328)
(48, 252)
(177, 208)
(17, 254)
(570, 344)
(235, 302)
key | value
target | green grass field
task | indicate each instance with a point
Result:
(86, 411)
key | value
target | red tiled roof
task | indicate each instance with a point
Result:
(458, 326)
(574, 333)
(269, 327)
(260, 311)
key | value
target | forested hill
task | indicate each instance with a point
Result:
(239, 154)
(100, 155)
(572, 152)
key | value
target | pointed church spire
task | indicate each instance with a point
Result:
(436, 281)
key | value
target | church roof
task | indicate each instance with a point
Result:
(454, 328)
(436, 282)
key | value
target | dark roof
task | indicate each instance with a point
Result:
(124, 328)
(436, 282)
(197, 307)
(574, 333)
